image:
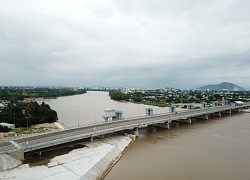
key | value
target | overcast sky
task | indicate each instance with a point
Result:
(133, 43)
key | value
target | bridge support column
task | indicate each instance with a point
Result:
(226, 112)
(217, 114)
(237, 110)
(162, 125)
(92, 139)
(136, 132)
(188, 120)
(167, 125)
(205, 117)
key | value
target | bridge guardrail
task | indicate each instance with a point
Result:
(98, 128)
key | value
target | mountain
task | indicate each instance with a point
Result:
(223, 86)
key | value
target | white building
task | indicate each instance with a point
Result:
(112, 114)
(109, 114)
(2, 106)
(238, 103)
(11, 126)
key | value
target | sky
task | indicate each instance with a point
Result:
(124, 43)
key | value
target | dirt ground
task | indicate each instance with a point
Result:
(35, 129)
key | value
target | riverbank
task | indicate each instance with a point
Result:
(32, 130)
(89, 162)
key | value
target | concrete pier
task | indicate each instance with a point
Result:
(217, 114)
(136, 131)
(237, 110)
(226, 112)
(188, 120)
(92, 139)
(205, 117)
(162, 125)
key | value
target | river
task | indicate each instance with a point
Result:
(217, 148)
(89, 108)
(208, 149)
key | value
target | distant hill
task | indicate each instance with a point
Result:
(222, 86)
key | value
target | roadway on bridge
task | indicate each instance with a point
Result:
(30, 143)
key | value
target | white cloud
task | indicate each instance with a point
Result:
(122, 43)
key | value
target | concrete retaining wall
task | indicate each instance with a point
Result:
(90, 162)
(97, 171)
(8, 162)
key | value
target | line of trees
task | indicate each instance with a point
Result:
(118, 95)
(12, 94)
(20, 113)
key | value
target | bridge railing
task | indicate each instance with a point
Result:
(209, 109)
(129, 123)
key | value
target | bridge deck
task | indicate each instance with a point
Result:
(69, 135)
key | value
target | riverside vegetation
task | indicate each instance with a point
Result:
(23, 114)
(30, 113)
(19, 93)
(166, 97)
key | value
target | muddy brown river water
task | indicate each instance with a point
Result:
(218, 148)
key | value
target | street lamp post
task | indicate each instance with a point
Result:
(92, 138)
(27, 137)
(95, 121)
(78, 117)
(14, 121)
